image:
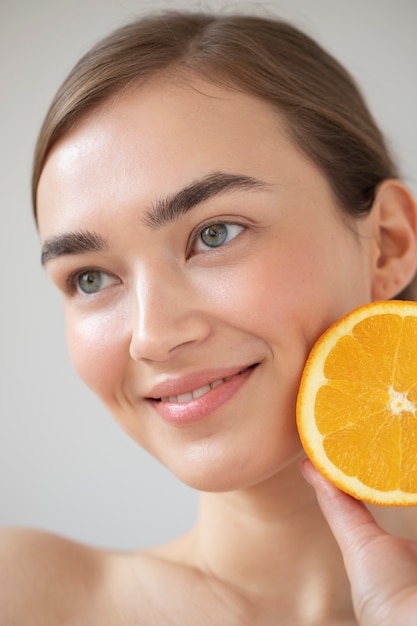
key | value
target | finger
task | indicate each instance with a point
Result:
(371, 557)
(350, 521)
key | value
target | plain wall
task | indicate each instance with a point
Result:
(64, 465)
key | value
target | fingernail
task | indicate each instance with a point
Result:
(305, 468)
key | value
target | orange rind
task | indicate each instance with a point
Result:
(357, 403)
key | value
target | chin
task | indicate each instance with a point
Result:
(221, 473)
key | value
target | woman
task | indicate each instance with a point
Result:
(211, 194)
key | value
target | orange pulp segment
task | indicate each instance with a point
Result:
(357, 403)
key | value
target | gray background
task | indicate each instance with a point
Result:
(64, 465)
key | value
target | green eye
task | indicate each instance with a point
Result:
(90, 282)
(215, 235)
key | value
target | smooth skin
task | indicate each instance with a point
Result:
(249, 276)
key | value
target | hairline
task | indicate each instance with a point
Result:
(181, 74)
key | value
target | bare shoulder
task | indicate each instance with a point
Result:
(46, 579)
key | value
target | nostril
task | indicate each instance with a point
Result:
(181, 331)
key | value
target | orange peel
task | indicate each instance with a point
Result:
(357, 403)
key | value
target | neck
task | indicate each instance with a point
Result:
(271, 540)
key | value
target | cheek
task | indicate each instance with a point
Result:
(98, 348)
(264, 293)
(291, 295)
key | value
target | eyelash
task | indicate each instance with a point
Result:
(72, 282)
(196, 237)
(73, 287)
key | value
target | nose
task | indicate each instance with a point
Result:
(166, 315)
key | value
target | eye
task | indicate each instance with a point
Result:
(89, 282)
(216, 235)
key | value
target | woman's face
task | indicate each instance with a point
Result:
(200, 255)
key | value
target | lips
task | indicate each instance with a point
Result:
(194, 398)
(200, 391)
(193, 383)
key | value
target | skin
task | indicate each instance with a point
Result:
(283, 256)
(291, 265)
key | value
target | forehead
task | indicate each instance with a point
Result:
(161, 112)
(152, 140)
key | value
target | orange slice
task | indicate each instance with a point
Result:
(357, 403)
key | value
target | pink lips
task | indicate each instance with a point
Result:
(192, 399)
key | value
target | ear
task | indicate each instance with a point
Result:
(394, 212)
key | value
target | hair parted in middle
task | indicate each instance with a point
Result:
(324, 110)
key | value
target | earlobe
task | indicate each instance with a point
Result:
(395, 222)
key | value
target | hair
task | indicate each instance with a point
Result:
(326, 114)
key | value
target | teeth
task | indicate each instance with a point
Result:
(184, 397)
(196, 393)
(201, 391)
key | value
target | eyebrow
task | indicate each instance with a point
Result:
(171, 208)
(162, 212)
(71, 243)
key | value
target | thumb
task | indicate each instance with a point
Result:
(371, 556)
(350, 521)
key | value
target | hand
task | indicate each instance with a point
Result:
(382, 569)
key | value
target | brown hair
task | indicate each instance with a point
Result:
(325, 112)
